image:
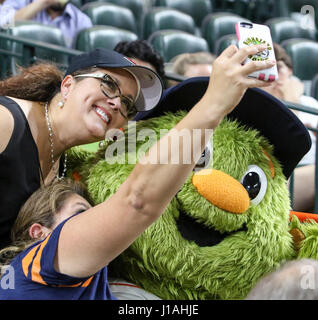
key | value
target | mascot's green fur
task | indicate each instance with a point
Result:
(228, 252)
(203, 247)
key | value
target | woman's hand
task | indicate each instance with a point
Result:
(229, 79)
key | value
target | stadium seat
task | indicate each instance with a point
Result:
(136, 7)
(286, 28)
(314, 87)
(170, 43)
(224, 42)
(304, 55)
(198, 9)
(110, 14)
(35, 31)
(102, 37)
(286, 8)
(216, 25)
(165, 18)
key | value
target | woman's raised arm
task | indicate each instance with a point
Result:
(89, 241)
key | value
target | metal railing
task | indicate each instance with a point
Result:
(27, 55)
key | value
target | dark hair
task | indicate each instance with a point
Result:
(39, 82)
(282, 55)
(141, 49)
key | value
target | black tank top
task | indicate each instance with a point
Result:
(19, 170)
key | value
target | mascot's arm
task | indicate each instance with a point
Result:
(304, 229)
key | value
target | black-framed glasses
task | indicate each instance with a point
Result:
(111, 90)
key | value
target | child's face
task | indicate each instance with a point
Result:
(74, 204)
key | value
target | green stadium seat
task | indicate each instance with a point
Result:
(216, 25)
(35, 31)
(224, 42)
(198, 9)
(284, 28)
(162, 18)
(102, 37)
(304, 55)
(170, 43)
(286, 8)
(136, 7)
(110, 14)
(314, 87)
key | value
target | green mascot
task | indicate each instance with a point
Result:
(230, 223)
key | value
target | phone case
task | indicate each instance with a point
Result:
(251, 34)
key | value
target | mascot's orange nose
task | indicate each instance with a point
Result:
(221, 190)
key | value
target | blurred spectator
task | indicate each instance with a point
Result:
(58, 13)
(295, 280)
(191, 65)
(289, 88)
(143, 54)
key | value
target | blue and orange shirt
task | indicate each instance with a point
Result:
(34, 276)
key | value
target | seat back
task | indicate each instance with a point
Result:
(287, 7)
(314, 87)
(198, 9)
(136, 7)
(166, 19)
(170, 43)
(303, 54)
(216, 25)
(225, 41)
(110, 14)
(77, 3)
(284, 28)
(102, 37)
(35, 31)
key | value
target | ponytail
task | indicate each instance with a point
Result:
(40, 82)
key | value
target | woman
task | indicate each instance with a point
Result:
(44, 114)
(79, 248)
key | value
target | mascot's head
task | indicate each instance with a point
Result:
(228, 225)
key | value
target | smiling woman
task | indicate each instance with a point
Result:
(74, 254)
(45, 112)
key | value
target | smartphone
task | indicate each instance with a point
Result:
(251, 34)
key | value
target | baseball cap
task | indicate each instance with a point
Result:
(257, 110)
(149, 83)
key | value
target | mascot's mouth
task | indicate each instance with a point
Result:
(202, 235)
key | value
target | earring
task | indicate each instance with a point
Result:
(60, 104)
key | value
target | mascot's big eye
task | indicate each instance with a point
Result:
(255, 183)
(205, 159)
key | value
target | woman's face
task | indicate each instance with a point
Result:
(91, 110)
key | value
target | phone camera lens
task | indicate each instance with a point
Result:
(246, 25)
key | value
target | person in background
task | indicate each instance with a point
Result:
(59, 13)
(143, 54)
(196, 64)
(289, 88)
(294, 280)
